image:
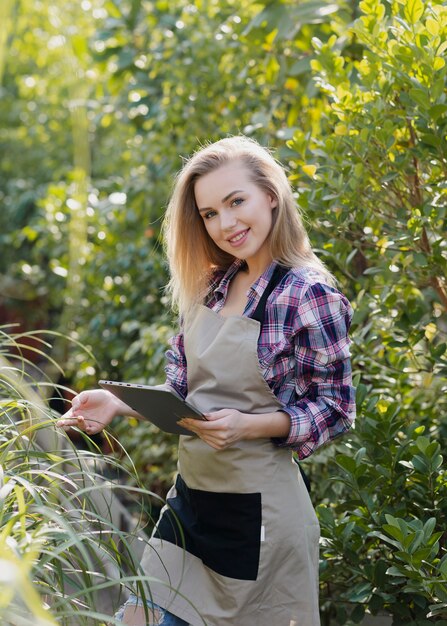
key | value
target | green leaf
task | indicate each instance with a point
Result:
(380, 570)
(412, 542)
(431, 140)
(437, 462)
(79, 44)
(396, 571)
(442, 49)
(438, 63)
(413, 11)
(442, 566)
(396, 533)
(393, 521)
(112, 9)
(440, 591)
(346, 462)
(429, 527)
(437, 111)
(420, 259)
(361, 393)
(421, 96)
(423, 443)
(358, 614)
(439, 350)
(432, 449)
(325, 515)
(360, 592)
(360, 455)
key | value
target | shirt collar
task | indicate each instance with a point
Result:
(261, 283)
(257, 287)
(222, 286)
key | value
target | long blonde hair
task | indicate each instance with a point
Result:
(193, 256)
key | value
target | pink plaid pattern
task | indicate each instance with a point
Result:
(303, 351)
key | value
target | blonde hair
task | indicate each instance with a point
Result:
(192, 254)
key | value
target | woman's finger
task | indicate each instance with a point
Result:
(79, 400)
(68, 422)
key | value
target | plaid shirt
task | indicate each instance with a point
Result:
(303, 351)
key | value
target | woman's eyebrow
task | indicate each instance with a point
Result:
(223, 199)
(228, 196)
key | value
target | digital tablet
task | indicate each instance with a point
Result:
(159, 405)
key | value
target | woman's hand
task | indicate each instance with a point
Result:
(227, 426)
(222, 428)
(92, 411)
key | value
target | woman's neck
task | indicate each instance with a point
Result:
(255, 270)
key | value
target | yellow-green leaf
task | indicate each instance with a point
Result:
(442, 48)
(18, 490)
(413, 11)
(438, 63)
(309, 169)
(341, 129)
(382, 406)
(430, 331)
(432, 26)
(79, 44)
(292, 84)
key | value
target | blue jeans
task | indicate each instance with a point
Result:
(165, 619)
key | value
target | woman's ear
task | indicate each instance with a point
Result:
(273, 201)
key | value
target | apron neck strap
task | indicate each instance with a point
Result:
(278, 274)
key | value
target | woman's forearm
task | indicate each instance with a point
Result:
(264, 425)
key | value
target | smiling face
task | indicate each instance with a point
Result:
(237, 214)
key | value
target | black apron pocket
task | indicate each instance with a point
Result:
(221, 529)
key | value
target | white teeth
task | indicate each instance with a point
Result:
(238, 237)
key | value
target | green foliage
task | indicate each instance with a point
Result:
(353, 96)
(382, 542)
(64, 559)
(372, 182)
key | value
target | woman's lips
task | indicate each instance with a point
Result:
(239, 239)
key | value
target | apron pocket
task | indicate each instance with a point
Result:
(221, 529)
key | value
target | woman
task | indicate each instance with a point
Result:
(263, 351)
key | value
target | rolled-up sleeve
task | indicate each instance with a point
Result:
(323, 405)
(175, 369)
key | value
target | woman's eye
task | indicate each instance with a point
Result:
(237, 201)
(208, 215)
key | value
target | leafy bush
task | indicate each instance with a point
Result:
(353, 96)
(382, 547)
(372, 181)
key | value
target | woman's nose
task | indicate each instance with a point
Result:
(228, 220)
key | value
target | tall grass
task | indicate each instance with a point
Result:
(69, 550)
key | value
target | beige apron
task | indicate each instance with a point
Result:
(237, 543)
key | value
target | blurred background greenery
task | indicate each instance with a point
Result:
(100, 101)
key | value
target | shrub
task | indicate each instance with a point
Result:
(371, 178)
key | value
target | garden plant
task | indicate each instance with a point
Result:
(352, 96)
